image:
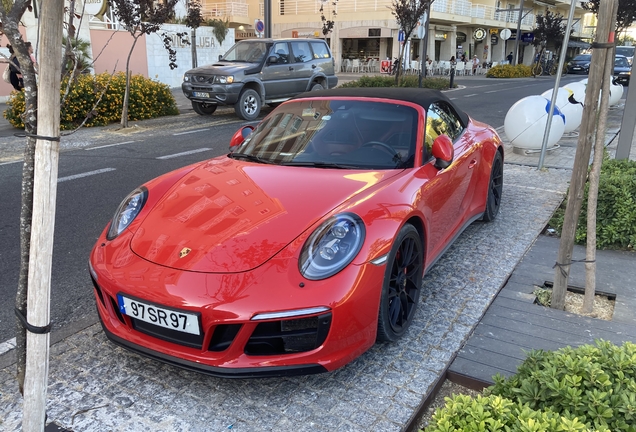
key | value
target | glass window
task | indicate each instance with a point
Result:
(441, 120)
(301, 52)
(245, 51)
(320, 50)
(339, 133)
(281, 50)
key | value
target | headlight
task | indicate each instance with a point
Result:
(332, 246)
(625, 73)
(186, 78)
(222, 79)
(127, 212)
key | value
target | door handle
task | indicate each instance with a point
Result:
(313, 66)
(291, 68)
(472, 163)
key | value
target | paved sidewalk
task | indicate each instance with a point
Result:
(97, 386)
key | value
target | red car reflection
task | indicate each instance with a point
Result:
(306, 244)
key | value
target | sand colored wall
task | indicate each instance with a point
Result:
(114, 51)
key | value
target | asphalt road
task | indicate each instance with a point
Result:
(96, 176)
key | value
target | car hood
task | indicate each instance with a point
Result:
(222, 68)
(233, 216)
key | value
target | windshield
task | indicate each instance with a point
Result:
(251, 52)
(335, 134)
(583, 57)
(621, 62)
(625, 51)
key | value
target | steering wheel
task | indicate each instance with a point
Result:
(384, 146)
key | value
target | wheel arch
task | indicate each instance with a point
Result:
(257, 86)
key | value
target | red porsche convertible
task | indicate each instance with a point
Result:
(303, 246)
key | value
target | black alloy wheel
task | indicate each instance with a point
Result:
(495, 189)
(402, 285)
(316, 87)
(203, 108)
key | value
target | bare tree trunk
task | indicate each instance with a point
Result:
(44, 197)
(124, 110)
(193, 47)
(10, 29)
(607, 12)
(69, 53)
(592, 195)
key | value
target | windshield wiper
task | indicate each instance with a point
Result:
(250, 158)
(321, 165)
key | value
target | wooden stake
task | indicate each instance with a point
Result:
(44, 198)
(582, 157)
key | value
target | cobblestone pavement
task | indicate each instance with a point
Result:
(94, 385)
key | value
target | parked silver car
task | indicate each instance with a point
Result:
(258, 71)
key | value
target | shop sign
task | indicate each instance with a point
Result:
(305, 34)
(494, 39)
(527, 37)
(95, 7)
(440, 36)
(461, 37)
(494, 31)
(479, 34)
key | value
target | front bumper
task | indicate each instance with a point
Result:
(622, 79)
(222, 94)
(232, 343)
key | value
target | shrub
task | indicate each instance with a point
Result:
(592, 387)
(509, 71)
(405, 81)
(616, 207)
(148, 99)
(494, 413)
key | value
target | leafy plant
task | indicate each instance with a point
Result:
(616, 208)
(407, 81)
(589, 388)
(148, 99)
(509, 71)
(544, 296)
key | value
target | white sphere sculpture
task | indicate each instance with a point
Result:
(616, 93)
(573, 112)
(578, 90)
(526, 120)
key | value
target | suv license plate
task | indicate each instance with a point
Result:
(201, 94)
(159, 316)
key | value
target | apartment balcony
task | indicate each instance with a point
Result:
(234, 12)
(488, 15)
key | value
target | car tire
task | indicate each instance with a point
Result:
(203, 108)
(402, 285)
(495, 188)
(316, 87)
(248, 106)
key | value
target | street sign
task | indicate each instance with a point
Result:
(400, 36)
(259, 27)
(505, 34)
(421, 29)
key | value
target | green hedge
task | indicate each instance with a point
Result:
(509, 71)
(592, 387)
(405, 81)
(148, 99)
(616, 207)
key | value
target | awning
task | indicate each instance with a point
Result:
(578, 44)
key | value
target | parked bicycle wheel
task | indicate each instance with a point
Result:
(537, 70)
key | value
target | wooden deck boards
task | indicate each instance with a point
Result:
(514, 325)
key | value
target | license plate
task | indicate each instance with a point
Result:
(163, 317)
(201, 94)
(576, 68)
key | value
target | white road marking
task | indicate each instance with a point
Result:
(471, 95)
(86, 174)
(499, 129)
(12, 162)
(452, 98)
(184, 153)
(109, 145)
(492, 91)
(192, 131)
(7, 346)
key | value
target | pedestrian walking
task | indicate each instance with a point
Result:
(475, 64)
(15, 75)
(510, 57)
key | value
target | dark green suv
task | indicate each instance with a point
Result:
(258, 71)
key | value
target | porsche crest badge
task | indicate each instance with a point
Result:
(185, 251)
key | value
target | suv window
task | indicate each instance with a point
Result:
(301, 51)
(320, 50)
(281, 50)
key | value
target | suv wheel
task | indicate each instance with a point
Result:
(203, 108)
(317, 86)
(249, 105)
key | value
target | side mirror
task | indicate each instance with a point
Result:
(272, 59)
(443, 151)
(239, 136)
(220, 57)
